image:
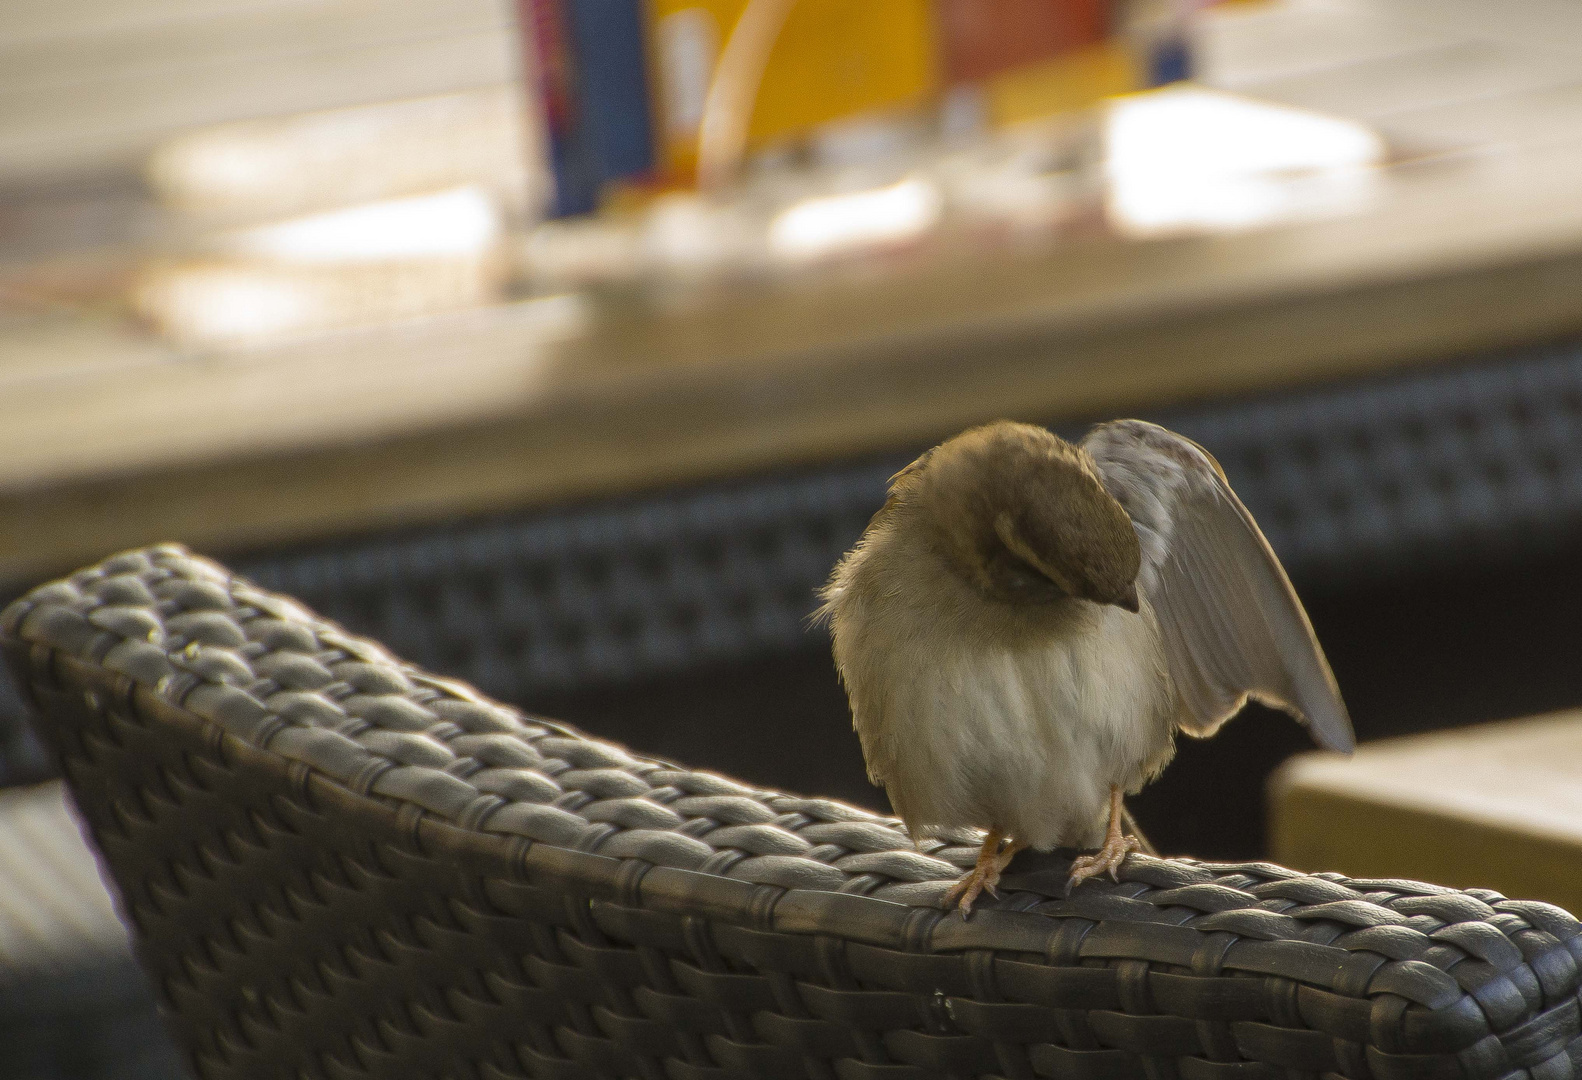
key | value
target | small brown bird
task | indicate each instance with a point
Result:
(1027, 623)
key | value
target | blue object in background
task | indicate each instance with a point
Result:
(604, 127)
(612, 80)
(1171, 62)
(576, 186)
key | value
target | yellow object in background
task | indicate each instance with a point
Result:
(1073, 81)
(833, 59)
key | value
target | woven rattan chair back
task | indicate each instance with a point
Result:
(340, 867)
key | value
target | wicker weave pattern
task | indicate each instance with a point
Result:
(341, 867)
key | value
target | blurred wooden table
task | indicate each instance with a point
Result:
(109, 439)
(1495, 806)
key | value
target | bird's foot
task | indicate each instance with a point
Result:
(994, 857)
(1108, 858)
(980, 879)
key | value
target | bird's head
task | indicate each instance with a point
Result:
(1019, 513)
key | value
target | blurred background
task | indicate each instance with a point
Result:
(563, 347)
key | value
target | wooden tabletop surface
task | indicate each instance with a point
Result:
(1494, 806)
(110, 438)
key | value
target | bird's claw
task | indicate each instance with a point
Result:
(1107, 858)
(981, 879)
(993, 857)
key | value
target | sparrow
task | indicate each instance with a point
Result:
(1027, 623)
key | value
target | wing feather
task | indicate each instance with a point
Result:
(1231, 624)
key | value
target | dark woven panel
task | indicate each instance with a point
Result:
(600, 594)
(339, 866)
(1365, 477)
(1433, 465)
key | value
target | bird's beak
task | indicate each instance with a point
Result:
(1128, 599)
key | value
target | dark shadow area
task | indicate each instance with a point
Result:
(95, 1020)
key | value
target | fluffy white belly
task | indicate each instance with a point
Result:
(1027, 740)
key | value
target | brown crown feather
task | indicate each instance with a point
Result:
(1021, 515)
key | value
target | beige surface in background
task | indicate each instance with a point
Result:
(90, 85)
(55, 911)
(1495, 806)
(109, 438)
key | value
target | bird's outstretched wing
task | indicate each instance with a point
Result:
(1231, 623)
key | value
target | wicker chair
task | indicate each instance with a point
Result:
(339, 867)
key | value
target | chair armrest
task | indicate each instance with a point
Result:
(337, 863)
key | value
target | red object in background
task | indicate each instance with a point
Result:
(548, 51)
(981, 38)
